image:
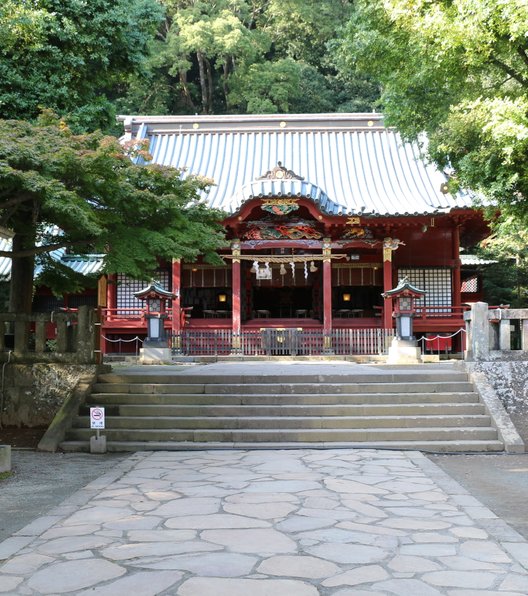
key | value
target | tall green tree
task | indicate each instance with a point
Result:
(238, 56)
(71, 56)
(85, 193)
(457, 71)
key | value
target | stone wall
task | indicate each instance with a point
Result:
(31, 395)
(509, 379)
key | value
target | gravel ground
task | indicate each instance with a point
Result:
(40, 481)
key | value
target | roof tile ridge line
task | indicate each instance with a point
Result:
(153, 130)
(131, 118)
(354, 183)
(392, 143)
(417, 172)
(384, 169)
(337, 181)
(368, 174)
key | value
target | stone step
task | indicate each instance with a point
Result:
(368, 409)
(432, 409)
(103, 399)
(460, 446)
(375, 376)
(286, 422)
(290, 435)
(284, 388)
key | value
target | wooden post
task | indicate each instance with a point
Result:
(111, 305)
(176, 323)
(457, 284)
(327, 296)
(387, 285)
(236, 302)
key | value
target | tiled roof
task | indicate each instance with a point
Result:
(468, 260)
(85, 264)
(349, 163)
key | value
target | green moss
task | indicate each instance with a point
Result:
(5, 475)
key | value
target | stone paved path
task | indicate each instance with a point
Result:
(268, 523)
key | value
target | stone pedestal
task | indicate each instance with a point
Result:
(5, 458)
(155, 355)
(404, 351)
(98, 444)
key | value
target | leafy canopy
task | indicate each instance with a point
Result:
(84, 193)
(71, 56)
(248, 56)
(457, 70)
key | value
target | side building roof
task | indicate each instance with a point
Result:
(347, 163)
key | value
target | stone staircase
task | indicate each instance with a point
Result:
(428, 409)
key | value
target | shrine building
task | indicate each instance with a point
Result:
(324, 213)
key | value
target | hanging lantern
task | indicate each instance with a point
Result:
(282, 270)
(313, 268)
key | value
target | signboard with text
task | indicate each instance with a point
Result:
(97, 418)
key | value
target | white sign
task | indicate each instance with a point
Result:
(97, 418)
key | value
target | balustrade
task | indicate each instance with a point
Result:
(494, 333)
(65, 336)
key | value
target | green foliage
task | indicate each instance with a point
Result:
(237, 56)
(457, 71)
(85, 194)
(507, 282)
(71, 56)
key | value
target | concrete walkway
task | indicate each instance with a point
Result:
(292, 523)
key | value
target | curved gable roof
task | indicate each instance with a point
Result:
(351, 163)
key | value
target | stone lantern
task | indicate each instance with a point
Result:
(155, 347)
(404, 348)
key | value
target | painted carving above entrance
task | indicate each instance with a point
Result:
(358, 232)
(292, 231)
(280, 206)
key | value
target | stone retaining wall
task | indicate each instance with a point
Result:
(509, 379)
(31, 395)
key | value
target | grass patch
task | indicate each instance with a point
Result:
(5, 475)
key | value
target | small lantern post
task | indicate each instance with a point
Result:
(155, 347)
(404, 348)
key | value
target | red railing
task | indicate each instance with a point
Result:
(114, 315)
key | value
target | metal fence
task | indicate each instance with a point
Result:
(284, 342)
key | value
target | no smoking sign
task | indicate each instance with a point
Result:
(97, 418)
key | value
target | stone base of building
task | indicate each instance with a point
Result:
(404, 351)
(155, 355)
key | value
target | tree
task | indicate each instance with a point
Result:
(71, 56)
(85, 193)
(457, 71)
(237, 56)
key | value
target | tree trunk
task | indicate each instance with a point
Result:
(209, 86)
(185, 90)
(203, 81)
(22, 270)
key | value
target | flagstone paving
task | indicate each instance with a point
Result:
(268, 523)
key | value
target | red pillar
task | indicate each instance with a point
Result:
(111, 305)
(327, 295)
(236, 289)
(457, 284)
(176, 326)
(387, 285)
